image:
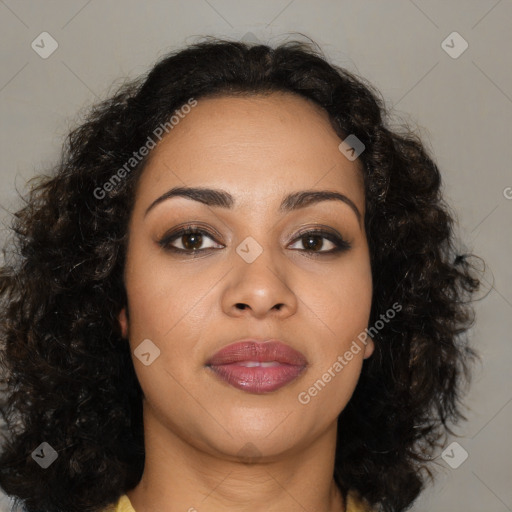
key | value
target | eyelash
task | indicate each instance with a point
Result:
(341, 245)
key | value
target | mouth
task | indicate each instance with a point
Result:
(257, 367)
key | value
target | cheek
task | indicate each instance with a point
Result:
(169, 305)
(159, 292)
(341, 299)
(339, 308)
(167, 311)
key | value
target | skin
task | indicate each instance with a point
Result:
(259, 149)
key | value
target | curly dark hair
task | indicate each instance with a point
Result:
(67, 372)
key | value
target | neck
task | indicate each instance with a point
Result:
(182, 475)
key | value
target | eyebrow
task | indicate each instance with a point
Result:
(223, 199)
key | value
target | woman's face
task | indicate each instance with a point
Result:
(254, 277)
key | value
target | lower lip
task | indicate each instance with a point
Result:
(257, 379)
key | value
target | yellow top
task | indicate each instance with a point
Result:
(353, 505)
(124, 504)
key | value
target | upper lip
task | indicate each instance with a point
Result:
(261, 351)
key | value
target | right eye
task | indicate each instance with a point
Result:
(190, 238)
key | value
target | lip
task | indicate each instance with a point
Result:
(228, 365)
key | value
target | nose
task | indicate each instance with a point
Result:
(259, 288)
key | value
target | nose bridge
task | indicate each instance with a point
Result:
(256, 233)
(259, 240)
(259, 258)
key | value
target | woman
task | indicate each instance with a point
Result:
(237, 291)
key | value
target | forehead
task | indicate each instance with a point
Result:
(254, 146)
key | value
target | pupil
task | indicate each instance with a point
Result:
(313, 245)
(196, 240)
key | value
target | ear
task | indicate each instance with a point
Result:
(123, 323)
(369, 347)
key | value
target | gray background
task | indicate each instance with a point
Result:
(461, 106)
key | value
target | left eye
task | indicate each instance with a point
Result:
(313, 241)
